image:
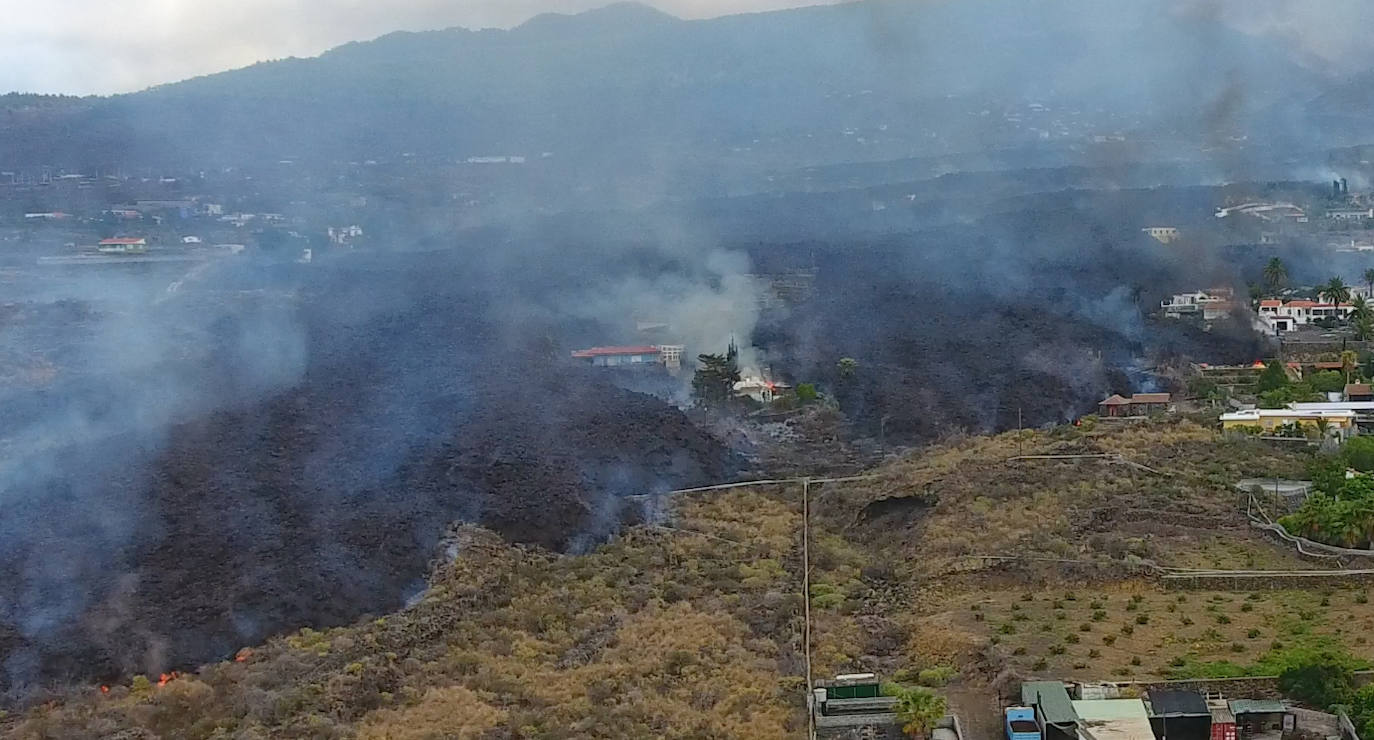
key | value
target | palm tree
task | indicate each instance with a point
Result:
(919, 710)
(1336, 291)
(1369, 280)
(1349, 361)
(1364, 328)
(1275, 275)
(1359, 309)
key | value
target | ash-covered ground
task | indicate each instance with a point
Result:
(280, 446)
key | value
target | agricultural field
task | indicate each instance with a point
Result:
(1134, 631)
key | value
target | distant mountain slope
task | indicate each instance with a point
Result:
(630, 81)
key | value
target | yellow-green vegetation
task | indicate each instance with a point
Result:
(1135, 630)
(659, 634)
(951, 566)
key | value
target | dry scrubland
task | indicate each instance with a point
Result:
(694, 630)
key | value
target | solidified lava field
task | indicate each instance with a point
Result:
(324, 499)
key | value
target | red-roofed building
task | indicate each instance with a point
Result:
(1140, 404)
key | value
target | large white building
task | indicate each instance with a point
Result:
(1280, 316)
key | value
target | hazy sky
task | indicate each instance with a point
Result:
(103, 46)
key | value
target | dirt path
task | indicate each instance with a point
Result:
(978, 711)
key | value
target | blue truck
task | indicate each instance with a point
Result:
(1021, 724)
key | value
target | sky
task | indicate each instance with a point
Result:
(111, 46)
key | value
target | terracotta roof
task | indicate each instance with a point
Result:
(1328, 365)
(1270, 303)
(1301, 304)
(1359, 389)
(1151, 398)
(1115, 400)
(614, 352)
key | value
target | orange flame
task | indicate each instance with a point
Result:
(243, 655)
(166, 678)
(104, 689)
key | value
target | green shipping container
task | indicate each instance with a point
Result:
(861, 691)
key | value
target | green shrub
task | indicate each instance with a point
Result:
(1223, 619)
(1108, 640)
(1253, 633)
(1085, 627)
(1142, 619)
(937, 676)
(1127, 629)
(1099, 616)
(1071, 638)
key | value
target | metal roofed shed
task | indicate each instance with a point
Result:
(1113, 719)
(1054, 711)
(1179, 714)
(1257, 706)
(1260, 717)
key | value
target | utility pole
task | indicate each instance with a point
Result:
(1019, 451)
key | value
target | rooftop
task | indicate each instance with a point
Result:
(614, 351)
(1257, 414)
(1178, 703)
(1257, 706)
(1119, 400)
(1114, 719)
(1052, 699)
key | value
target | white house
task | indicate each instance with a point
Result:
(1211, 305)
(1350, 214)
(1282, 316)
(1162, 234)
(344, 234)
(190, 240)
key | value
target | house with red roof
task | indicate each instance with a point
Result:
(1140, 404)
(1281, 316)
